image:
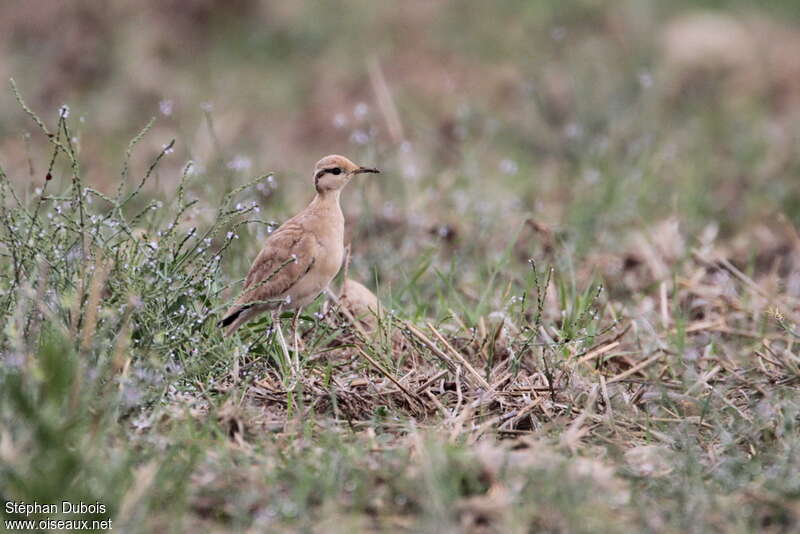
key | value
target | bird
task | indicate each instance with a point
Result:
(361, 303)
(301, 257)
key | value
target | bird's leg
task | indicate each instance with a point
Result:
(296, 339)
(276, 321)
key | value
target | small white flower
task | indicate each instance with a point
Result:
(288, 299)
(646, 80)
(410, 170)
(166, 107)
(573, 130)
(339, 120)
(294, 258)
(359, 137)
(229, 235)
(509, 166)
(154, 245)
(167, 149)
(63, 111)
(240, 163)
(361, 110)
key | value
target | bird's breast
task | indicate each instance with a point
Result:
(331, 252)
(326, 262)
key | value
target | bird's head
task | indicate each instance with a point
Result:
(333, 172)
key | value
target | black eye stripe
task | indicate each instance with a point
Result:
(334, 171)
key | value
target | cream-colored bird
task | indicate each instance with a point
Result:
(301, 257)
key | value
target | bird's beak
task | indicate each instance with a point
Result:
(365, 169)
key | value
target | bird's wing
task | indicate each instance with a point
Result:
(287, 256)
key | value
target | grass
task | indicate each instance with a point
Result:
(590, 290)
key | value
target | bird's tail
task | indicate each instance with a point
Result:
(234, 318)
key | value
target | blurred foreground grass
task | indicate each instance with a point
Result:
(642, 371)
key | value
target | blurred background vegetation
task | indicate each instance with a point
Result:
(609, 139)
(556, 105)
(585, 117)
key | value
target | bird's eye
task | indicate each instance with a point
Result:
(335, 171)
